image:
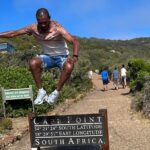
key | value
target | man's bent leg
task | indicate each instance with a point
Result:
(35, 66)
(65, 74)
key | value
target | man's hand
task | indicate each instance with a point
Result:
(75, 59)
(72, 60)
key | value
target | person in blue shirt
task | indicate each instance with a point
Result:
(105, 79)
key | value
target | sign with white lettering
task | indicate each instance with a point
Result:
(16, 94)
(85, 129)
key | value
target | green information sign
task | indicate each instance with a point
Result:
(17, 94)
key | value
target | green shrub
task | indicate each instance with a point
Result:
(16, 77)
(137, 102)
(43, 108)
(138, 69)
(5, 124)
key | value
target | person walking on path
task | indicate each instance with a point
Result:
(115, 78)
(123, 73)
(90, 74)
(52, 37)
(105, 79)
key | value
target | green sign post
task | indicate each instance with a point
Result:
(16, 94)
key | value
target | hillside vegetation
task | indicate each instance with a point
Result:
(99, 52)
(94, 54)
(114, 52)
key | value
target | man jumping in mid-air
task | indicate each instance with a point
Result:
(52, 36)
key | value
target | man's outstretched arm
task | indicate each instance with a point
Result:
(11, 34)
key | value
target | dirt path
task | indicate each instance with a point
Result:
(127, 131)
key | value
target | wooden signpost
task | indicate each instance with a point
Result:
(70, 131)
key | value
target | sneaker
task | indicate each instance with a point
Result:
(52, 97)
(40, 97)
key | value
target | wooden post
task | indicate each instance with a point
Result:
(104, 113)
(31, 96)
(3, 99)
(30, 116)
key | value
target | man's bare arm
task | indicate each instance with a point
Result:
(69, 38)
(10, 34)
(73, 41)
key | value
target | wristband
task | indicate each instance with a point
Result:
(75, 56)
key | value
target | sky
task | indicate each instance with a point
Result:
(104, 19)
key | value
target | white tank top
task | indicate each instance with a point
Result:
(52, 42)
